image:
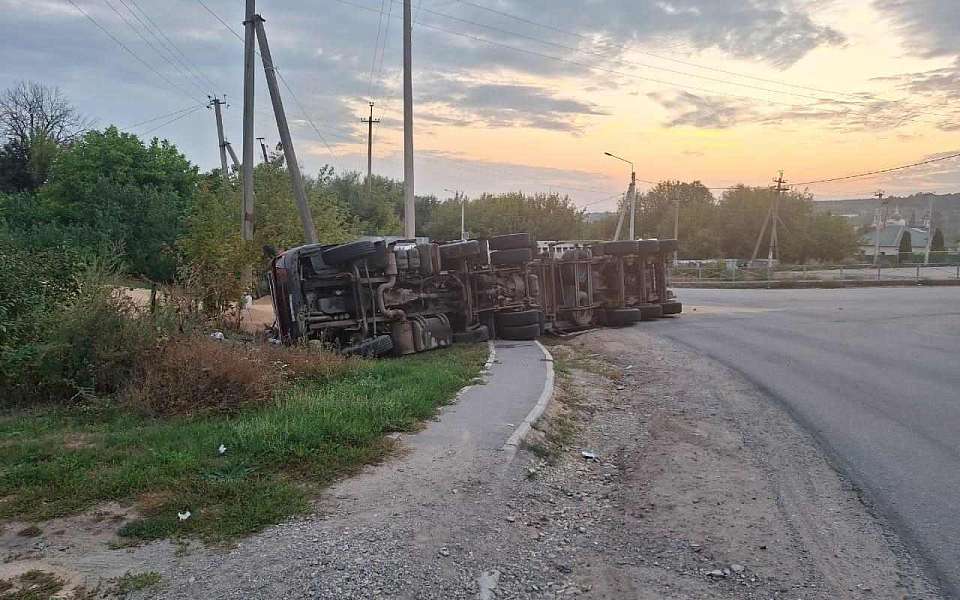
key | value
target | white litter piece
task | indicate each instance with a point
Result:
(222, 449)
(183, 515)
(217, 335)
(588, 455)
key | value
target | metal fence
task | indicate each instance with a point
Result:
(702, 271)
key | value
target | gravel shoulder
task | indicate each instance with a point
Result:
(654, 473)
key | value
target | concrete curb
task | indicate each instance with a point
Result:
(520, 434)
(823, 284)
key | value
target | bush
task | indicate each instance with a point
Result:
(196, 375)
(83, 341)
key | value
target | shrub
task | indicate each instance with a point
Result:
(195, 375)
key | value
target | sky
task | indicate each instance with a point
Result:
(529, 94)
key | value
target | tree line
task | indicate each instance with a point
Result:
(95, 191)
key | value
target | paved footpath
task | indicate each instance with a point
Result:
(389, 514)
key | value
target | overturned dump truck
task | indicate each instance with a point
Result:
(380, 296)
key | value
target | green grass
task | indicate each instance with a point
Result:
(57, 462)
(135, 582)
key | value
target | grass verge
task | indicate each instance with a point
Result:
(56, 461)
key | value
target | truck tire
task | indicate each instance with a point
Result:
(621, 317)
(352, 251)
(621, 248)
(649, 312)
(458, 250)
(514, 256)
(647, 247)
(519, 318)
(672, 308)
(524, 332)
(511, 241)
(472, 336)
(371, 348)
(667, 246)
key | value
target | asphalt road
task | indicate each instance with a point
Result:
(873, 374)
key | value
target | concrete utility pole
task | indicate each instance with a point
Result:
(249, 25)
(233, 156)
(633, 204)
(263, 148)
(463, 211)
(370, 121)
(676, 225)
(876, 230)
(293, 167)
(774, 250)
(621, 213)
(216, 103)
(926, 254)
(409, 197)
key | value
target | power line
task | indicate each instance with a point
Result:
(163, 56)
(171, 121)
(376, 48)
(171, 45)
(881, 171)
(128, 50)
(621, 47)
(176, 112)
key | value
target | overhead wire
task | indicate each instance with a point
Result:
(164, 116)
(880, 171)
(129, 51)
(153, 47)
(171, 121)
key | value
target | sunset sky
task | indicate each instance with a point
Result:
(528, 94)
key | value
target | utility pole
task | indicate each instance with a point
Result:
(216, 103)
(263, 148)
(293, 167)
(370, 121)
(233, 156)
(620, 215)
(774, 218)
(463, 211)
(926, 254)
(633, 204)
(676, 225)
(409, 198)
(879, 226)
(249, 25)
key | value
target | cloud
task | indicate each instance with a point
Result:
(928, 27)
(705, 112)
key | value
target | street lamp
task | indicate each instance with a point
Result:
(463, 202)
(632, 192)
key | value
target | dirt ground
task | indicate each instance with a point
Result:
(654, 474)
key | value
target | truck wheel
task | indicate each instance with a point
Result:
(458, 250)
(518, 319)
(651, 311)
(524, 332)
(621, 248)
(620, 317)
(672, 308)
(472, 336)
(372, 348)
(647, 247)
(514, 256)
(511, 241)
(349, 252)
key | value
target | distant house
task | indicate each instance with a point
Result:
(890, 237)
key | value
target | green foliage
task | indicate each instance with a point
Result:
(275, 455)
(937, 243)
(546, 216)
(81, 340)
(698, 214)
(906, 246)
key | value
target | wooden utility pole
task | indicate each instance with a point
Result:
(263, 148)
(249, 25)
(216, 103)
(409, 197)
(370, 121)
(293, 167)
(880, 217)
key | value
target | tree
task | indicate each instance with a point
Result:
(937, 244)
(906, 246)
(37, 121)
(698, 213)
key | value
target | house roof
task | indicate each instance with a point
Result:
(890, 237)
